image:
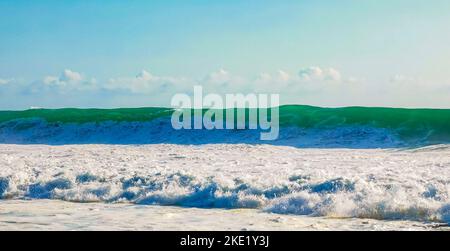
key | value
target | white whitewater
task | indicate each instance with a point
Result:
(59, 215)
(379, 184)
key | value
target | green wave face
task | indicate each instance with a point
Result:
(408, 123)
(431, 125)
(72, 115)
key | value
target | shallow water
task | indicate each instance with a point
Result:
(59, 215)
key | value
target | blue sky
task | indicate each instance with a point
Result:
(139, 53)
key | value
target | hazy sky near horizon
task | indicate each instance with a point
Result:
(139, 53)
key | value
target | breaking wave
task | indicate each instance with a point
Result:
(300, 126)
(411, 190)
(298, 195)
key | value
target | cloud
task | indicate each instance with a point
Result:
(277, 82)
(308, 80)
(332, 74)
(283, 76)
(5, 81)
(222, 78)
(48, 80)
(311, 85)
(311, 73)
(315, 73)
(280, 76)
(67, 76)
(219, 77)
(70, 76)
(67, 81)
(222, 81)
(149, 84)
(145, 83)
(145, 75)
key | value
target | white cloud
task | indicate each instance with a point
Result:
(48, 80)
(222, 81)
(145, 83)
(69, 76)
(283, 76)
(273, 83)
(312, 85)
(308, 80)
(311, 73)
(5, 81)
(218, 77)
(68, 81)
(280, 76)
(332, 74)
(145, 76)
(315, 73)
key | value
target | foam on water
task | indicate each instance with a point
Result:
(379, 184)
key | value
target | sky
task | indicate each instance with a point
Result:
(80, 53)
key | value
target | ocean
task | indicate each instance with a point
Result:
(301, 126)
(338, 168)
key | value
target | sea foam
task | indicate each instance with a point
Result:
(378, 184)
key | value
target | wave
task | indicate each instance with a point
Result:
(301, 126)
(299, 195)
(377, 183)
